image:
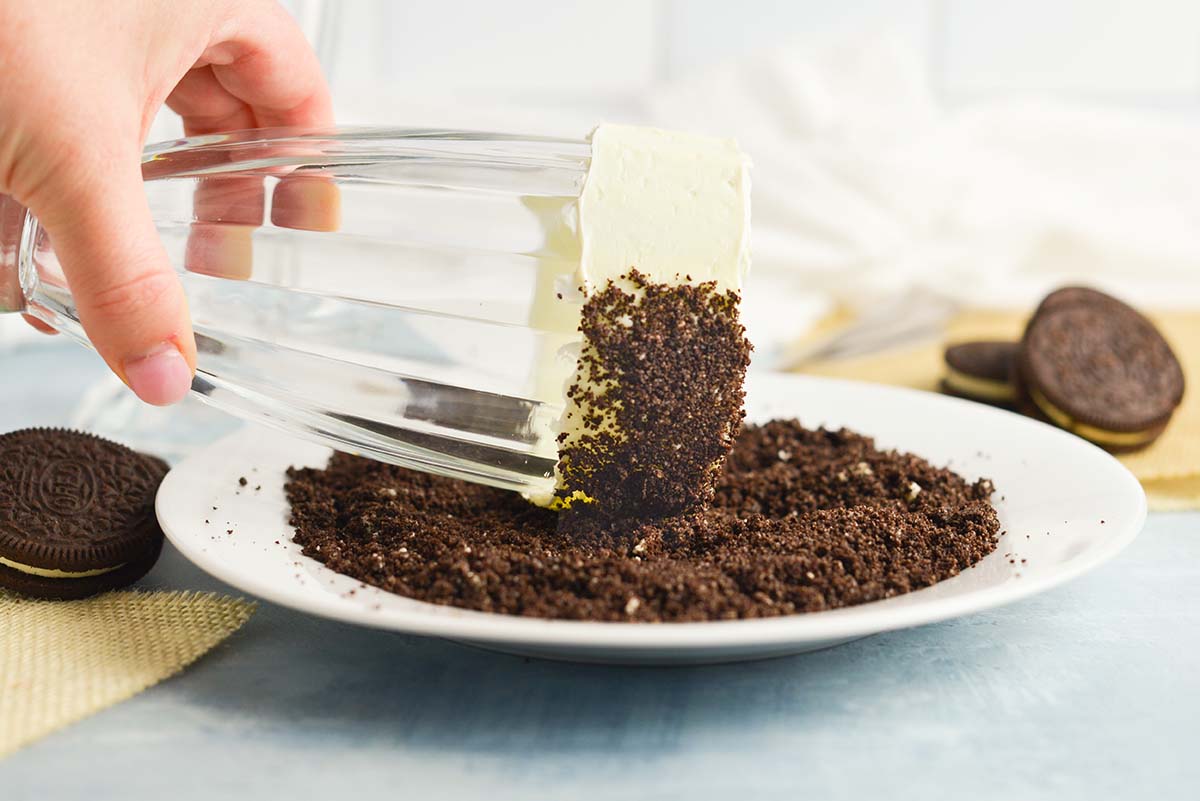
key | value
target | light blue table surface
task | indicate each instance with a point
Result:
(1090, 691)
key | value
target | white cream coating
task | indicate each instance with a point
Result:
(979, 387)
(48, 572)
(675, 206)
(670, 204)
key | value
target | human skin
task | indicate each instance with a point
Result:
(80, 85)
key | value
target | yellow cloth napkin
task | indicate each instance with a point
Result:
(61, 661)
(1169, 469)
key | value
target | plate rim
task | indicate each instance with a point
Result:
(799, 629)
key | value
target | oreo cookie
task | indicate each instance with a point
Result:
(1095, 366)
(981, 371)
(76, 513)
(1071, 295)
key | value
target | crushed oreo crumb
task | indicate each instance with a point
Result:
(833, 524)
(659, 393)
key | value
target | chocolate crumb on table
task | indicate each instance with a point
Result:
(801, 520)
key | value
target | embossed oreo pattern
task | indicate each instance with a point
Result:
(74, 501)
(60, 487)
(1101, 361)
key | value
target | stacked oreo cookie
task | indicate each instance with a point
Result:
(981, 371)
(1087, 362)
(76, 513)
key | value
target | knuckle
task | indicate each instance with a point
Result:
(52, 174)
(135, 296)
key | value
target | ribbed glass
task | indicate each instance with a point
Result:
(371, 289)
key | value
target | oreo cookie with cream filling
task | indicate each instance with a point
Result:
(1094, 366)
(981, 371)
(76, 513)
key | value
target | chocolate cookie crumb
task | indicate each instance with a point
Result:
(833, 525)
(657, 400)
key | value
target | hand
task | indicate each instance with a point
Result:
(81, 83)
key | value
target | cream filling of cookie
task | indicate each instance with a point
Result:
(675, 206)
(49, 572)
(976, 387)
(1096, 434)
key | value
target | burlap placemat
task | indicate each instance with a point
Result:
(62, 661)
(1169, 469)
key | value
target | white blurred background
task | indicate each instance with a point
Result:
(1143, 54)
(972, 152)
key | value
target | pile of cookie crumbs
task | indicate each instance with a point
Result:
(801, 520)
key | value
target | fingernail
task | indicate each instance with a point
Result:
(162, 377)
(306, 203)
(220, 250)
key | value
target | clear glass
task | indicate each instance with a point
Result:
(375, 290)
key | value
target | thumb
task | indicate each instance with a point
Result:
(129, 299)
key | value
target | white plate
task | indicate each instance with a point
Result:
(1066, 507)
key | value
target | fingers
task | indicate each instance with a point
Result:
(306, 203)
(206, 106)
(39, 325)
(268, 63)
(228, 209)
(129, 299)
(258, 71)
